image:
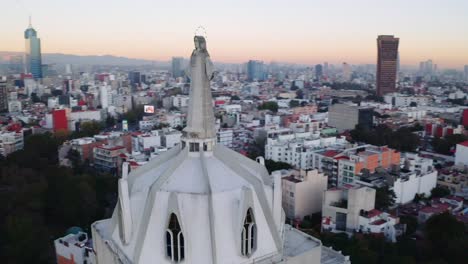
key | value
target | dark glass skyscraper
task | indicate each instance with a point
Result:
(387, 60)
(177, 67)
(32, 55)
(255, 70)
(318, 71)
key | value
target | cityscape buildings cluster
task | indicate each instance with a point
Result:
(224, 163)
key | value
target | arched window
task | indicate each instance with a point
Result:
(249, 234)
(175, 244)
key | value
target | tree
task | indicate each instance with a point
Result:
(447, 238)
(235, 98)
(438, 192)
(411, 223)
(110, 121)
(272, 106)
(90, 128)
(293, 103)
(384, 198)
(300, 94)
(272, 165)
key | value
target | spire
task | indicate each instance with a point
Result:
(30, 23)
(200, 120)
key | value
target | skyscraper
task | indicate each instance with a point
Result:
(346, 72)
(3, 94)
(466, 73)
(177, 67)
(325, 69)
(387, 57)
(32, 55)
(134, 78)
(318, 71)
(255, 70)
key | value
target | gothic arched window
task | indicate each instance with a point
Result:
(249, 234)
(175, 244)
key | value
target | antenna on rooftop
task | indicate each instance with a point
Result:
(30, 23)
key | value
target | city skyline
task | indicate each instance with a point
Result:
(313, 34)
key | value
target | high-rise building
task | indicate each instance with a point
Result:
(32, 55)
(134, 78)
(325, 69)
(387, 57)
(255, 70)
(318, 71)
(177, 67)
(3, 95)
(346, 72)
(466, 73)
(346, 117)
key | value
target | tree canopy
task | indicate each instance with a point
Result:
(272, 106)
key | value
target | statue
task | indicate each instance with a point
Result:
(200, 120)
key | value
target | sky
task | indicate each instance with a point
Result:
(295, 31)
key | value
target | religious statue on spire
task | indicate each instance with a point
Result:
(200, 120)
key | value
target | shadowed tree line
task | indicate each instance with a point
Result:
(40, 200)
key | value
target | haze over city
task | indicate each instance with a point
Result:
(304, 32)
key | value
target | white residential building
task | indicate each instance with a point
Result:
(180, 101)
(461, 153)
(301, 149)
(302, 192)
(399, 100)
(145, 141)
(10, 142)
(74, 248)
(171, 138)
(351, 209)
(225, 137)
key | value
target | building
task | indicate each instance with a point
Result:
(302, 192)
(10, 141)
(461, 154)
(3, 94)
(346, 72)
(201, 202)
(402, 100)
(416, 176)
(134, 78)
(177, 67)
(455, 179)
(32, 55)
(60, 120)
(346, 117)
(255, 70)
(465, 118)
(105, 96)
(351, 209)
(318, 72)
(145, 141)
(387, 57)
(74, 248)
(225, 137)
(105, 157)
(466, 73)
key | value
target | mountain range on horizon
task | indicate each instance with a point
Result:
(59, 58)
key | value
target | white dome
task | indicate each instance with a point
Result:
(210, 193)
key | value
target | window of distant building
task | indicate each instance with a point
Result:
(175, 244)
(249, 234)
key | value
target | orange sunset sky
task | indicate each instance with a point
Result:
(296, 31)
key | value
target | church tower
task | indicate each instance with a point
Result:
(201, 202)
